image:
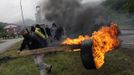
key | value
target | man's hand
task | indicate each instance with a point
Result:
(18, 52)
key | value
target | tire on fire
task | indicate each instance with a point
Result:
(87, 54)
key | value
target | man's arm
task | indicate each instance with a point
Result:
(23, 45)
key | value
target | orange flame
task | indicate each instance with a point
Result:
(76, 41)
(104, 40)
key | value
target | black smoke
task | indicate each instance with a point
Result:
(76, 17)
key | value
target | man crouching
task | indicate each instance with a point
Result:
(31, 42)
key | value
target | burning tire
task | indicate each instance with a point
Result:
(87, 54)
(94, 48)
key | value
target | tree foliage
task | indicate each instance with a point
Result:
(2, 27)
(131, 6)
(126, 6)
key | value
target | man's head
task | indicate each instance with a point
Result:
(37, 25)
(24, 32)
(46, 25)
(53, 25)
(32, 28)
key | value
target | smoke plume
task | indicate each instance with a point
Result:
(76, 17)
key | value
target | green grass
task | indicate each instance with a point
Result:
(118, 62)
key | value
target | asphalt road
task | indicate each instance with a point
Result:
(8, 43)
(127, 38)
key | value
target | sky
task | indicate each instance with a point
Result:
(10, 10)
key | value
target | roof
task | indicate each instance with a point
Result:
(10, 26)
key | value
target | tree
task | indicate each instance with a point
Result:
(126, 6)
(2, 27)
(131, 6)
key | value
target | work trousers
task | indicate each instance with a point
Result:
(38, 59)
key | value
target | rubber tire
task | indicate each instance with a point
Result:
(87, 54)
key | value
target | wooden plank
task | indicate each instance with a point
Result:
(47, 50)
(25, 53)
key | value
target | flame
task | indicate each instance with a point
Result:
(76, 41)
(104, 40)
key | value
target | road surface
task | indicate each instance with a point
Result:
(8, 43)
(127, 38)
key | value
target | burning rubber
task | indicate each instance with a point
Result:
(87, 55)
(94, 48)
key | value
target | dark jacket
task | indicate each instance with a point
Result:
(59, 33)
(48, 31)
(43, 31)
(30, 42)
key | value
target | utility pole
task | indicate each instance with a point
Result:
(38, 15)
(22, 14)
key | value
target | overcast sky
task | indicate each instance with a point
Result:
(10, 10)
